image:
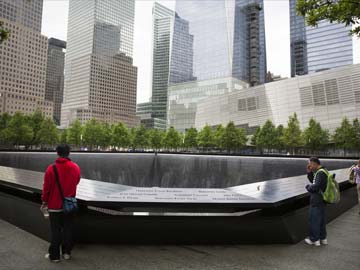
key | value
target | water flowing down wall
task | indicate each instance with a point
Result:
(171, 170)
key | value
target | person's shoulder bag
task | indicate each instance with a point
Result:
(69, 203)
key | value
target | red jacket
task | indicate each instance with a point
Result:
(69, 176)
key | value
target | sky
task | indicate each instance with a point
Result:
(54, 24)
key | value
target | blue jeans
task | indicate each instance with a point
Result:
(317, 224)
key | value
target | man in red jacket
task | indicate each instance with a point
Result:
(61, 225)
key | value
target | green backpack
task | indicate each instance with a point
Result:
(332, 191)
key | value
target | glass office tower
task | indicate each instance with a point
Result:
(217, 39)
(162, 25)
(298, 48)
(314, 49)
(218, 46)
(329, 45)
(100, 80)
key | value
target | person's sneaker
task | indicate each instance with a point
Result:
(324, 241)
(311, 243)
(66, 256)
(47, 256)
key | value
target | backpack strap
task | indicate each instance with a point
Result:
(58, 181)
(322, 170)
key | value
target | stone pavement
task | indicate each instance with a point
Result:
(20, 250)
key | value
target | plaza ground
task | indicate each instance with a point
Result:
(20, 250)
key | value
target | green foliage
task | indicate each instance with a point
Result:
(314, 136)
(156, 137)
(292, 136)
(140, 137)
(206, 137)
(120, 136)
(219, 136)
(234, 138)
(356, 130)
(340, 11)
(279, 134)
(105, 135)
(4, 123)
(36, 120)
(173, 139)
(18, 132)
(92, 134)
(63, 136)
(4, 33)
(344, 135)
(74, 133)
(48, 133)
(267, 136)
(254, 137)
(190, 140)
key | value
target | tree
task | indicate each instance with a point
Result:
(356, 130)
(4, 124)
(4, 33)
(344, 135)
(340, 11)
(156, 137)
(48, 133)
(190, 140)
(219, 136)
(278, 141)
(105, 135)
(206, 137)
(92, 134)
(63, 136)
(36, 120)
(140, 137)
(314, 136)
(292, 137)
(120, 136)
(267, 136)
(234, 138)
(74, 133)
(172, 139)
(255, 136)
(19, 131)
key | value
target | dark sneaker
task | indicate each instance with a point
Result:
(47, 256)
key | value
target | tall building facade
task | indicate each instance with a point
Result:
(298, 48)
(224, 38)
(55, 75)
(326, 96)
(217, 47)
(23, 59)
(162, 25)
(314, 49)
(100, 79)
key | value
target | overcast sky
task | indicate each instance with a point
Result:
(54, 24)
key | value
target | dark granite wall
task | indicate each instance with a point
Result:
(163, 170)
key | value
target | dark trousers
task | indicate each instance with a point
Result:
(317, 224)
(61, 227)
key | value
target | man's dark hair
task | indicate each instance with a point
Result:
(315, 160)
(63, 150)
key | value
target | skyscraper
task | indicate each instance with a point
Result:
(162, 25)
(100, 79)
(325, 46)
(224, 39)
(23, 59)
(217, 47)
(298, 48)
(55, 75)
